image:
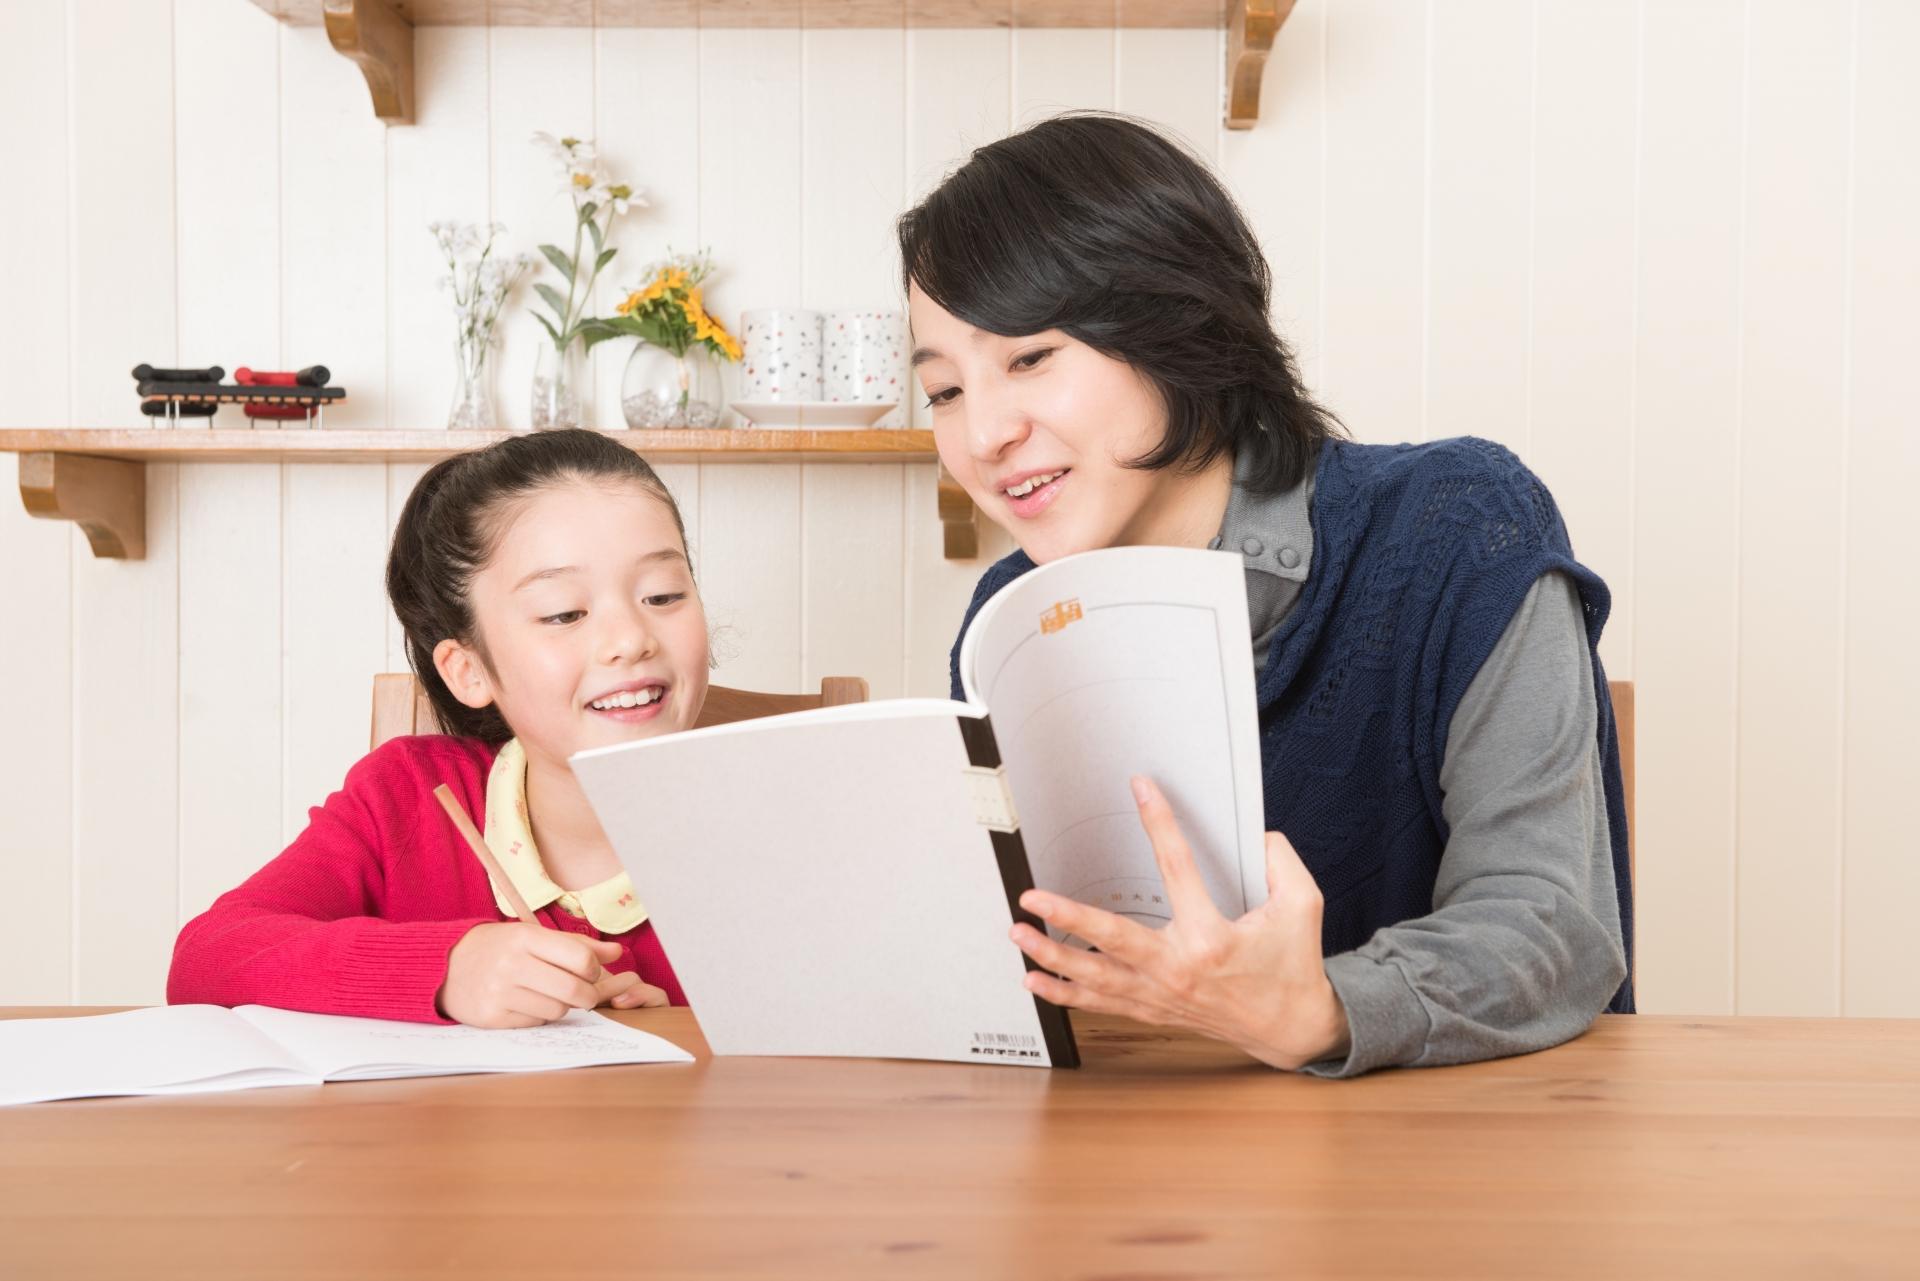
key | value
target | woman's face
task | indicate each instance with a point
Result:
(1038, 430)
(590, 617)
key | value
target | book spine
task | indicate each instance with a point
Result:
(1016, 876)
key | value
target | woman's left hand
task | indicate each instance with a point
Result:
(1257, 983)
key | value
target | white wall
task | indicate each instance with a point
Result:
(1664, 250)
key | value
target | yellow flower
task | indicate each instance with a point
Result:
(633, 300)
(583, 180)
(711, 329)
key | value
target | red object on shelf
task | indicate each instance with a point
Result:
(261, 409)
(311, 376)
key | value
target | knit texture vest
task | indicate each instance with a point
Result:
(1421, 555)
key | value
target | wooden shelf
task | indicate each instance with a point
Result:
(330, 445)
(97, 478)
(378, 34)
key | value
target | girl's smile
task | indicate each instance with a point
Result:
(633, 703)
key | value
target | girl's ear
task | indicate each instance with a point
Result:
(465, 675)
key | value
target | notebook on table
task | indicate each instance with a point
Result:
(842, 881)
(197, 1049)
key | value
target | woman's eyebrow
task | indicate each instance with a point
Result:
(921, 355)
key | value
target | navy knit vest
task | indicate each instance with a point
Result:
(1421, 555)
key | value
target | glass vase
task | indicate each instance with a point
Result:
(659, 389)
(473, 386)
(557, 380)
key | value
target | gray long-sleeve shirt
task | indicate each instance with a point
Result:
(1523, 946)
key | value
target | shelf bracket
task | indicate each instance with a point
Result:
(380, 43)
(1251, 26)
(959, 525)
(106, 497)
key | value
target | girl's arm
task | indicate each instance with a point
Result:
(316, 928)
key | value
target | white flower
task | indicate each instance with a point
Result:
(616, 195)
(556, 151)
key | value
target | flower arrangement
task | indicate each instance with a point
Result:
(669, 311)
(663, 386)
(597, 201)
(478, 283)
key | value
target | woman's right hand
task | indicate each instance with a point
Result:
(511, 974)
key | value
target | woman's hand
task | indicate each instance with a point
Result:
(1256, 983)
(510, 974)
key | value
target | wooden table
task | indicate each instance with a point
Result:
(1649, 1147)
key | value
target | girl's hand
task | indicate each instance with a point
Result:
(510, 974)
(627, 992)
(1257, 983)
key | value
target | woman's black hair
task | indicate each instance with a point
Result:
(450, 527)
(1097, 225)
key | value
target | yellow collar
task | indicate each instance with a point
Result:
(610, 907)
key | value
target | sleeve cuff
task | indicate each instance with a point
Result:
(1387, 1024)
(396, 972)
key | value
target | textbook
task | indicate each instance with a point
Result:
(198, 1049)
(842, 881)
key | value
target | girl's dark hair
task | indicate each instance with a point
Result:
(1096, 225)
(452, 524)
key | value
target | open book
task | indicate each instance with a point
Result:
(842, 881)
(198, 1049)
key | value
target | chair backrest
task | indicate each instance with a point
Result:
(400, 705)
(1622, 692)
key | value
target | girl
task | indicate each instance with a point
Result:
(549, 606)
(1090, 319)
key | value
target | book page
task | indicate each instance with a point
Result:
(1119, 662)
(170, 1049)
(350, 1049)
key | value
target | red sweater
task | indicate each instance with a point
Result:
(357, 916)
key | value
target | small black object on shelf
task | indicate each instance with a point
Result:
(173, 394)
(147, 373)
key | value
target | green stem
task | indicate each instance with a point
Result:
(573, 280)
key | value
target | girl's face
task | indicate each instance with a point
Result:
(1038, 430)
(589, 616)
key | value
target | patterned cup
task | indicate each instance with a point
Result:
(866, 359)
(781, 354)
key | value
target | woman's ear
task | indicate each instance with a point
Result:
(460, 666)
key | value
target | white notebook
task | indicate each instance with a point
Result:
(196, 1049)
(841, 881)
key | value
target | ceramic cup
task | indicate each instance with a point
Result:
(781, 356)
(865, 359)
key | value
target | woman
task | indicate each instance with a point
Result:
(1447, 847)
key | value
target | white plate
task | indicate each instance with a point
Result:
(814, 415)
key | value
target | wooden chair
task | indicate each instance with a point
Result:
(400, 705)
(1622, 692)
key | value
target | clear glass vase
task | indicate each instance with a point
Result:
(473, 386)
(557, 382)
(660, 389)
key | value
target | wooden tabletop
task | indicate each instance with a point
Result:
(1651, 1147)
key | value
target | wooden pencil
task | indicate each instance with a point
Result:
(500, 878)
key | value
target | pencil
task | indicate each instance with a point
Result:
(485, 855)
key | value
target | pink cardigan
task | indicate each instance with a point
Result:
(357, 916)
